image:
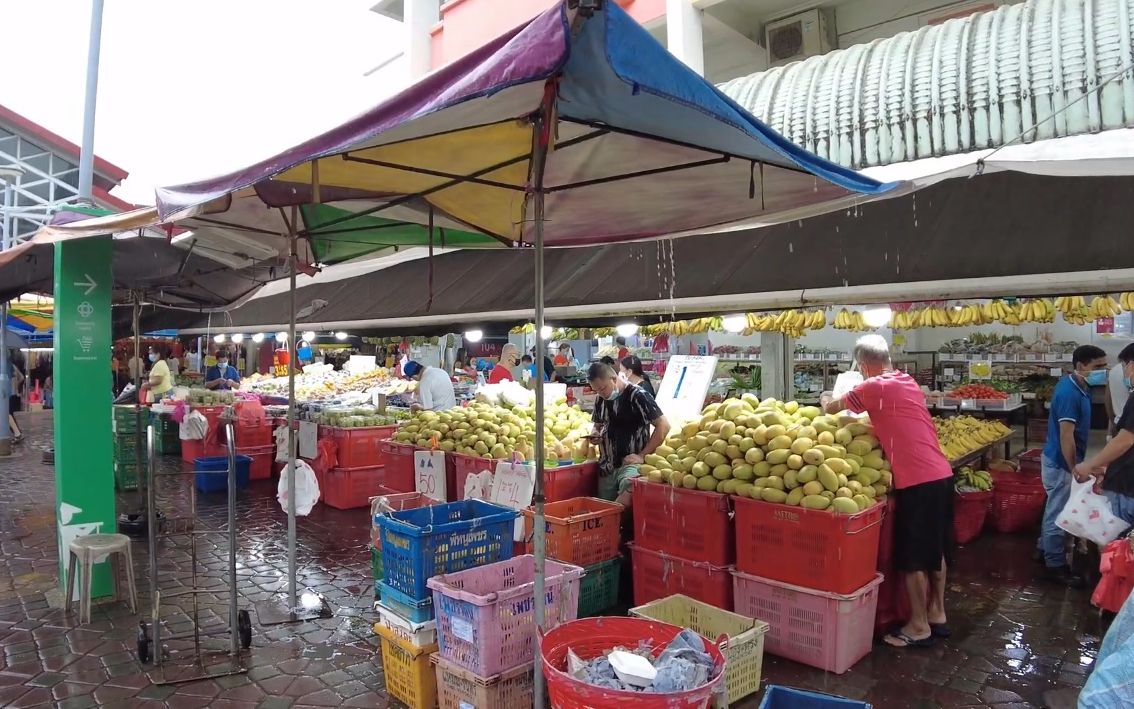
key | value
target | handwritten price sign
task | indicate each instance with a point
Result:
(429, 473)
(512, 486)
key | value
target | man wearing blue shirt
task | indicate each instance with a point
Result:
(1068, 427)
(222, 375)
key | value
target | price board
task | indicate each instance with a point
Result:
(429, 474)
(512, 486)
(681, 395)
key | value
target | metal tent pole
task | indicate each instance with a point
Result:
(5, 380)
(293, 601)
(86, 156)
(542, 138)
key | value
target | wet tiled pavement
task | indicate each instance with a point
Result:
(1015, 639)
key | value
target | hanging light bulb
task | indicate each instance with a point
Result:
(474, 335)
(340, 335)
(309, 335)
(258, 337)
(877, 317)
(627, 329)
(218, 339)
(545, 332)
(734, 323)
(281, 337)
(238, 337)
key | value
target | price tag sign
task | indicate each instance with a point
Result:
(681, 395)
(1050, 358)
(308, 439)
(1056, 371)
(947, 372)
(512, 486)
(429, 473)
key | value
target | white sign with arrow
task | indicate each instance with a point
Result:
(89, 284)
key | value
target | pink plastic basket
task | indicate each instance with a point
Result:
(486, 615)
(831, 631)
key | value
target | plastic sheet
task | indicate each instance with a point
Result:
(1111, 684)
(683, 665)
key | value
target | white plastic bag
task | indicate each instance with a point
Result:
(845, 382)
(194, 427)
(1087, 514)
(306, 489)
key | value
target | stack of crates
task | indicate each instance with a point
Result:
(418, 543)
(584, 531)
(128, 463)
(167, 434)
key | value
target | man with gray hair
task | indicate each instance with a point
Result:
(922, 485)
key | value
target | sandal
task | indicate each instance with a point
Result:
(940, 630)
(907, 640)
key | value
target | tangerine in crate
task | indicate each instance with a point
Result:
(580, 531)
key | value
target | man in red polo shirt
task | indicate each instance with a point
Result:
(502, 371)
(922, 487)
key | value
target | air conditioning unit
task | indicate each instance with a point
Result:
(797, 37)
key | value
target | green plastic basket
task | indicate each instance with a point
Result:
(376, 563)
(126, 475)
(598, 589)
(168, 444)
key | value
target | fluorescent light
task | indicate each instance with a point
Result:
(340, 335)
(545, 332)
(238, 337)
(281, 337)
(734, 323)
(474, 335)
(309, 335)
(627, 329)
(258, 337)
(218, 339)
(877, 317)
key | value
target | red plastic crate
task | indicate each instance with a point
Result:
(970, 509)
(254, 436)
(691, 524)
(347, 489)
(192, 450)
(811, 548)
(657, 575)
(893, 603)
(1016, 507)
(399, 465)
(831, 631)
(261, 466)
(358, 447)
(563, 482)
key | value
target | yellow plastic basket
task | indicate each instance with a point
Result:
(409, 675)
(744, 649)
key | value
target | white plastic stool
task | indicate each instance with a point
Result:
(91, 549)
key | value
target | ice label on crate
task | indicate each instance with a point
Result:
(461, 628)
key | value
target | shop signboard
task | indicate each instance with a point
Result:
(681, 395)
(84, 472)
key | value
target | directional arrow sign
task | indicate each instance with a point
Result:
(89, 284)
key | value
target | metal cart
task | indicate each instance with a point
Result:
(205, 664)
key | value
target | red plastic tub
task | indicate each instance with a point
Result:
(399, 465)
(691, 524)
(811, 548)
(261, 466)
(657, 575)
(346, 489)
(970, 509)
(590, 637)
(358, 447)
(1016, 507)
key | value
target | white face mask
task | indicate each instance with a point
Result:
(222, 363)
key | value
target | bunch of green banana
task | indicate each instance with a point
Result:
(969, 480)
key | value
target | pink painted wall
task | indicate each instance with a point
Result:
(467, 24)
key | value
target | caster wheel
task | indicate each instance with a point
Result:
(143, 644)
(244, 627)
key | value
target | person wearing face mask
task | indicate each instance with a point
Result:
(623, 418)
(1114, 464)
(502, 372)
(160, 381)
(222, 375)
(1068, 427)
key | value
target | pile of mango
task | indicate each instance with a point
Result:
(778, 452)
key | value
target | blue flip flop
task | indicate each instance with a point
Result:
(909, 642)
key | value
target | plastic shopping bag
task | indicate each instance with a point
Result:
(306, 489)
(1087, 514)
(194, 427)
(1111, 683)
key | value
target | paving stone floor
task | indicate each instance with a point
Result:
(1015, 638)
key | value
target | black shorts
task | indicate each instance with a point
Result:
(923, 526)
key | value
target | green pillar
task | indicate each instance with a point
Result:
(84, 467)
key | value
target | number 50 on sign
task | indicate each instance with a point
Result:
(429, 473)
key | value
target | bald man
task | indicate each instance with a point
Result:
(502, 372)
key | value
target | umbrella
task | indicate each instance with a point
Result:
(575, 128)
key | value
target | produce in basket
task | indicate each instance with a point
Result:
(777, 452)
(968, 480)
(977, 391)
(961, 435)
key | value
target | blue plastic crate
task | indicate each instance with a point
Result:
(403, 605)
(440, 539)
(777, 697)
(212, 473)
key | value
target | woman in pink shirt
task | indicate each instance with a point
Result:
(923, 486)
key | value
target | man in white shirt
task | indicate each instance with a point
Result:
(136, 367)
(434, 387)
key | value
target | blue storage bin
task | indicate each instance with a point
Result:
(421, 543)
(212, 473)
(401, 604)
(777, 697)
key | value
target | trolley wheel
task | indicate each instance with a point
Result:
(143, 644)
(244, 627)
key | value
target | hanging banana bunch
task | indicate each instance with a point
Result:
(1126, 300)
(1105, 306)
(1074, 309)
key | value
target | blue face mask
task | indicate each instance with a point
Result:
(1096, 378)
(1126, 382)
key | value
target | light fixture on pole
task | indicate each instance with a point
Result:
(474, 336)
(545, 332)
(258, 337)
(878, 316)
(281, 337)
(309, 335)
(218, 338)
(340, 335)
(734, 323)
(238, 338)
(627, 329)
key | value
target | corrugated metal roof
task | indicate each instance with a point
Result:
(1043, 69)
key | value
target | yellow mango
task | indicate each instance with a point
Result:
(828, 478)
(812, 488)
(795, 496)
(775, 457)
(807, 473)
(838, 466)
(770, 494)
(801, 445)
(815, 502)
(844, 506)
(762, 469)
(754, 455)
(859, 448)
(782, 442)
(779, 470)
